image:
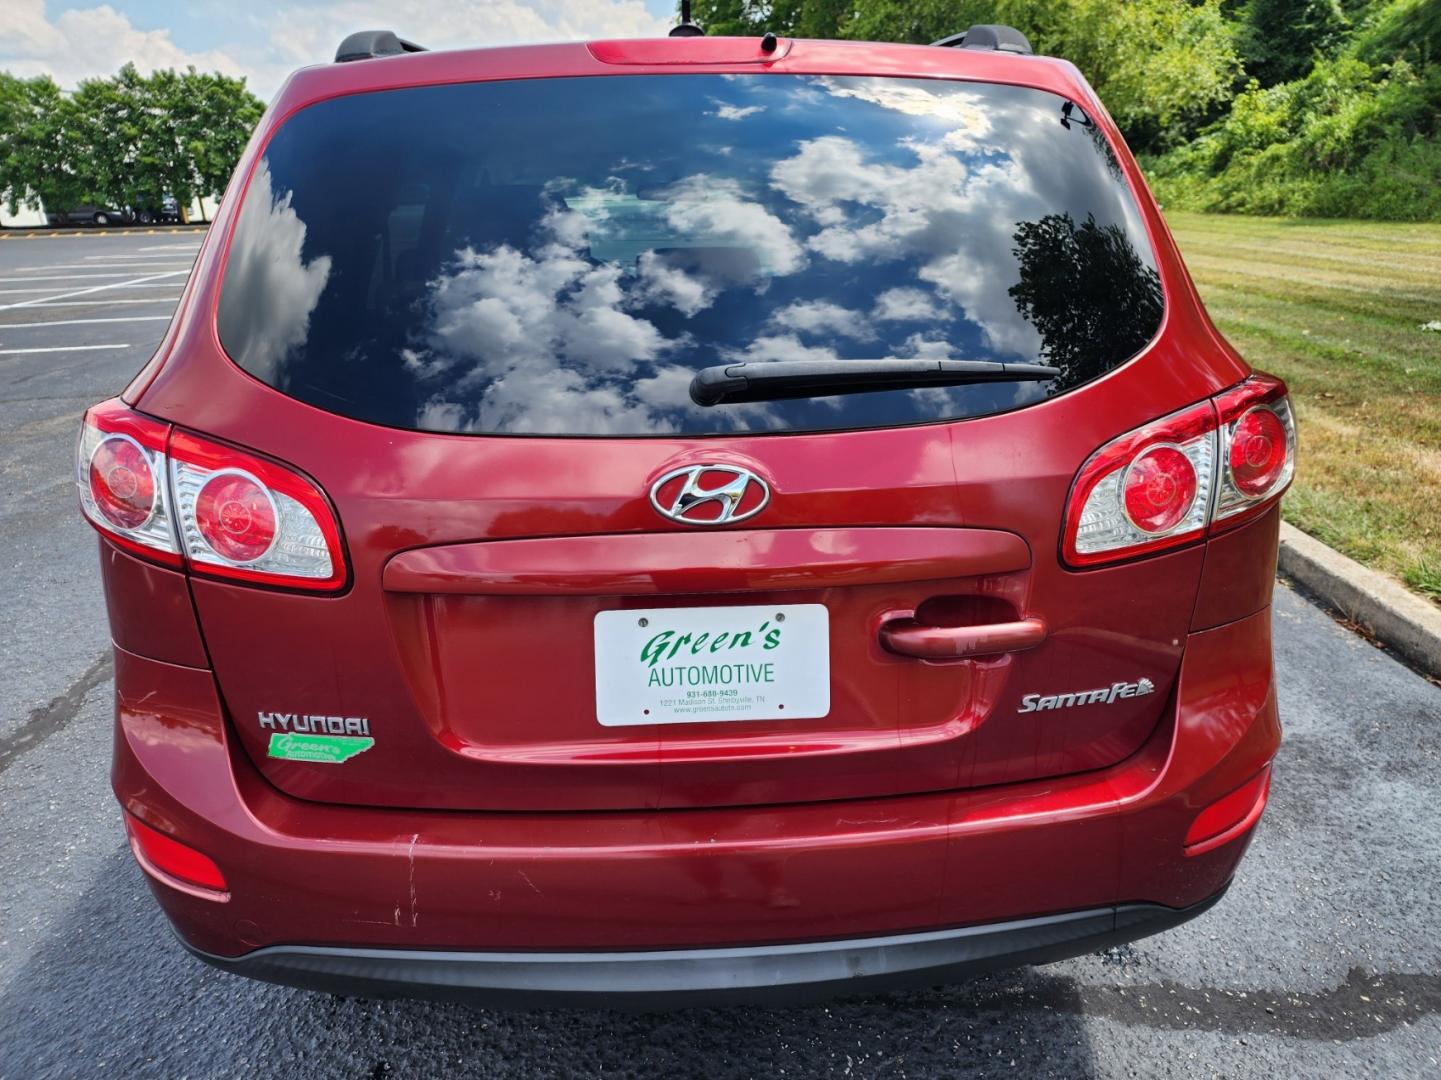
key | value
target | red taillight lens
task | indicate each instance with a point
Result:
(1258, 452)
(122, 482)
(156, 851)
(1169, 482)
(1159, 489)
(1229, 817)
(178, 498)
(1258, 437)
(236, 516)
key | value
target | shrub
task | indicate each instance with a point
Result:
(1348, 140)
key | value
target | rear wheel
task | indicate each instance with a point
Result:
(146, 217)
(102, 220)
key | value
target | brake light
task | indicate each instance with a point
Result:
(120, 471)
(1146, 491)
(1258, 452)
(181, 499)
(1159, 489)
(1259, 431)
(1173, 480)
(236, 516)
(249, 518)
(122, 482)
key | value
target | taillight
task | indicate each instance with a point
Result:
(236, 516)
(1259, 434)
(248, 518)
(120, 471)
(1169, 482)
(1159, 489)
(1146, 491)
(182, 499)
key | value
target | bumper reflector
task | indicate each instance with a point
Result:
(156, 851)
(1230, 816)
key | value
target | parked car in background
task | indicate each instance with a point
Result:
(166, 211)
(703, 519)
(87, 214)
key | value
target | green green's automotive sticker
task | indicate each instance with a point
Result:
(330, 749)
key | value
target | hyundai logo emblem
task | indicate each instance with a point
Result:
(709, 494)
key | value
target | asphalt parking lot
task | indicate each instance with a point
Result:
(1324, 960)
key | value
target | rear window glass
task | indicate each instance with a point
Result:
(560, 256)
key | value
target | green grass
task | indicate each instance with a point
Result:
(1336, 308)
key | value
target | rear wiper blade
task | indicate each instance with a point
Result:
(774, 380)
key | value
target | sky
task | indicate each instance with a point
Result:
(264, 40)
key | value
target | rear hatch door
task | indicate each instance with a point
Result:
(482, 349)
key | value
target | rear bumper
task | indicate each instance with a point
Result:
(394, 901)
(676, 978)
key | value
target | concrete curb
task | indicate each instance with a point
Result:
(1398, 619)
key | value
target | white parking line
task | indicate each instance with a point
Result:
(139, 257)
(118, 285)
(83, 322)
(67, 277)
(136, 283)
(97, 266)
(107, 303)
(61, 348)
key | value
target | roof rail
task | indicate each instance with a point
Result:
(370, 44)
(991, 36)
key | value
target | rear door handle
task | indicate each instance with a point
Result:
(906, 637)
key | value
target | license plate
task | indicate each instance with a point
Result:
(708, 664)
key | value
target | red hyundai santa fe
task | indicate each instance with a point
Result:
(695, 519)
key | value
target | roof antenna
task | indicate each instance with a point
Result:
(686, 27)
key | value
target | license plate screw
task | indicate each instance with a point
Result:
(645, 622)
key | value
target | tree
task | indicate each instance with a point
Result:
(40, 145)
(1155, 63)
(216, 115)
(109, 116)
(1161, 66)
(1086, 291)
(128, 140)
(793, 18)
(168, 133)
(1280, 39)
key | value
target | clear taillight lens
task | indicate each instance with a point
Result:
(243, 516)
(120, 472)
(1209, 466)
(183, 499)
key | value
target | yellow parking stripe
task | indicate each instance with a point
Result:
(5, 235)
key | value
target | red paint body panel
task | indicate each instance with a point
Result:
(1239, 573)
(303, 873)
(168, 631)
(704, 562)
(495, 812)
(649, 52)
